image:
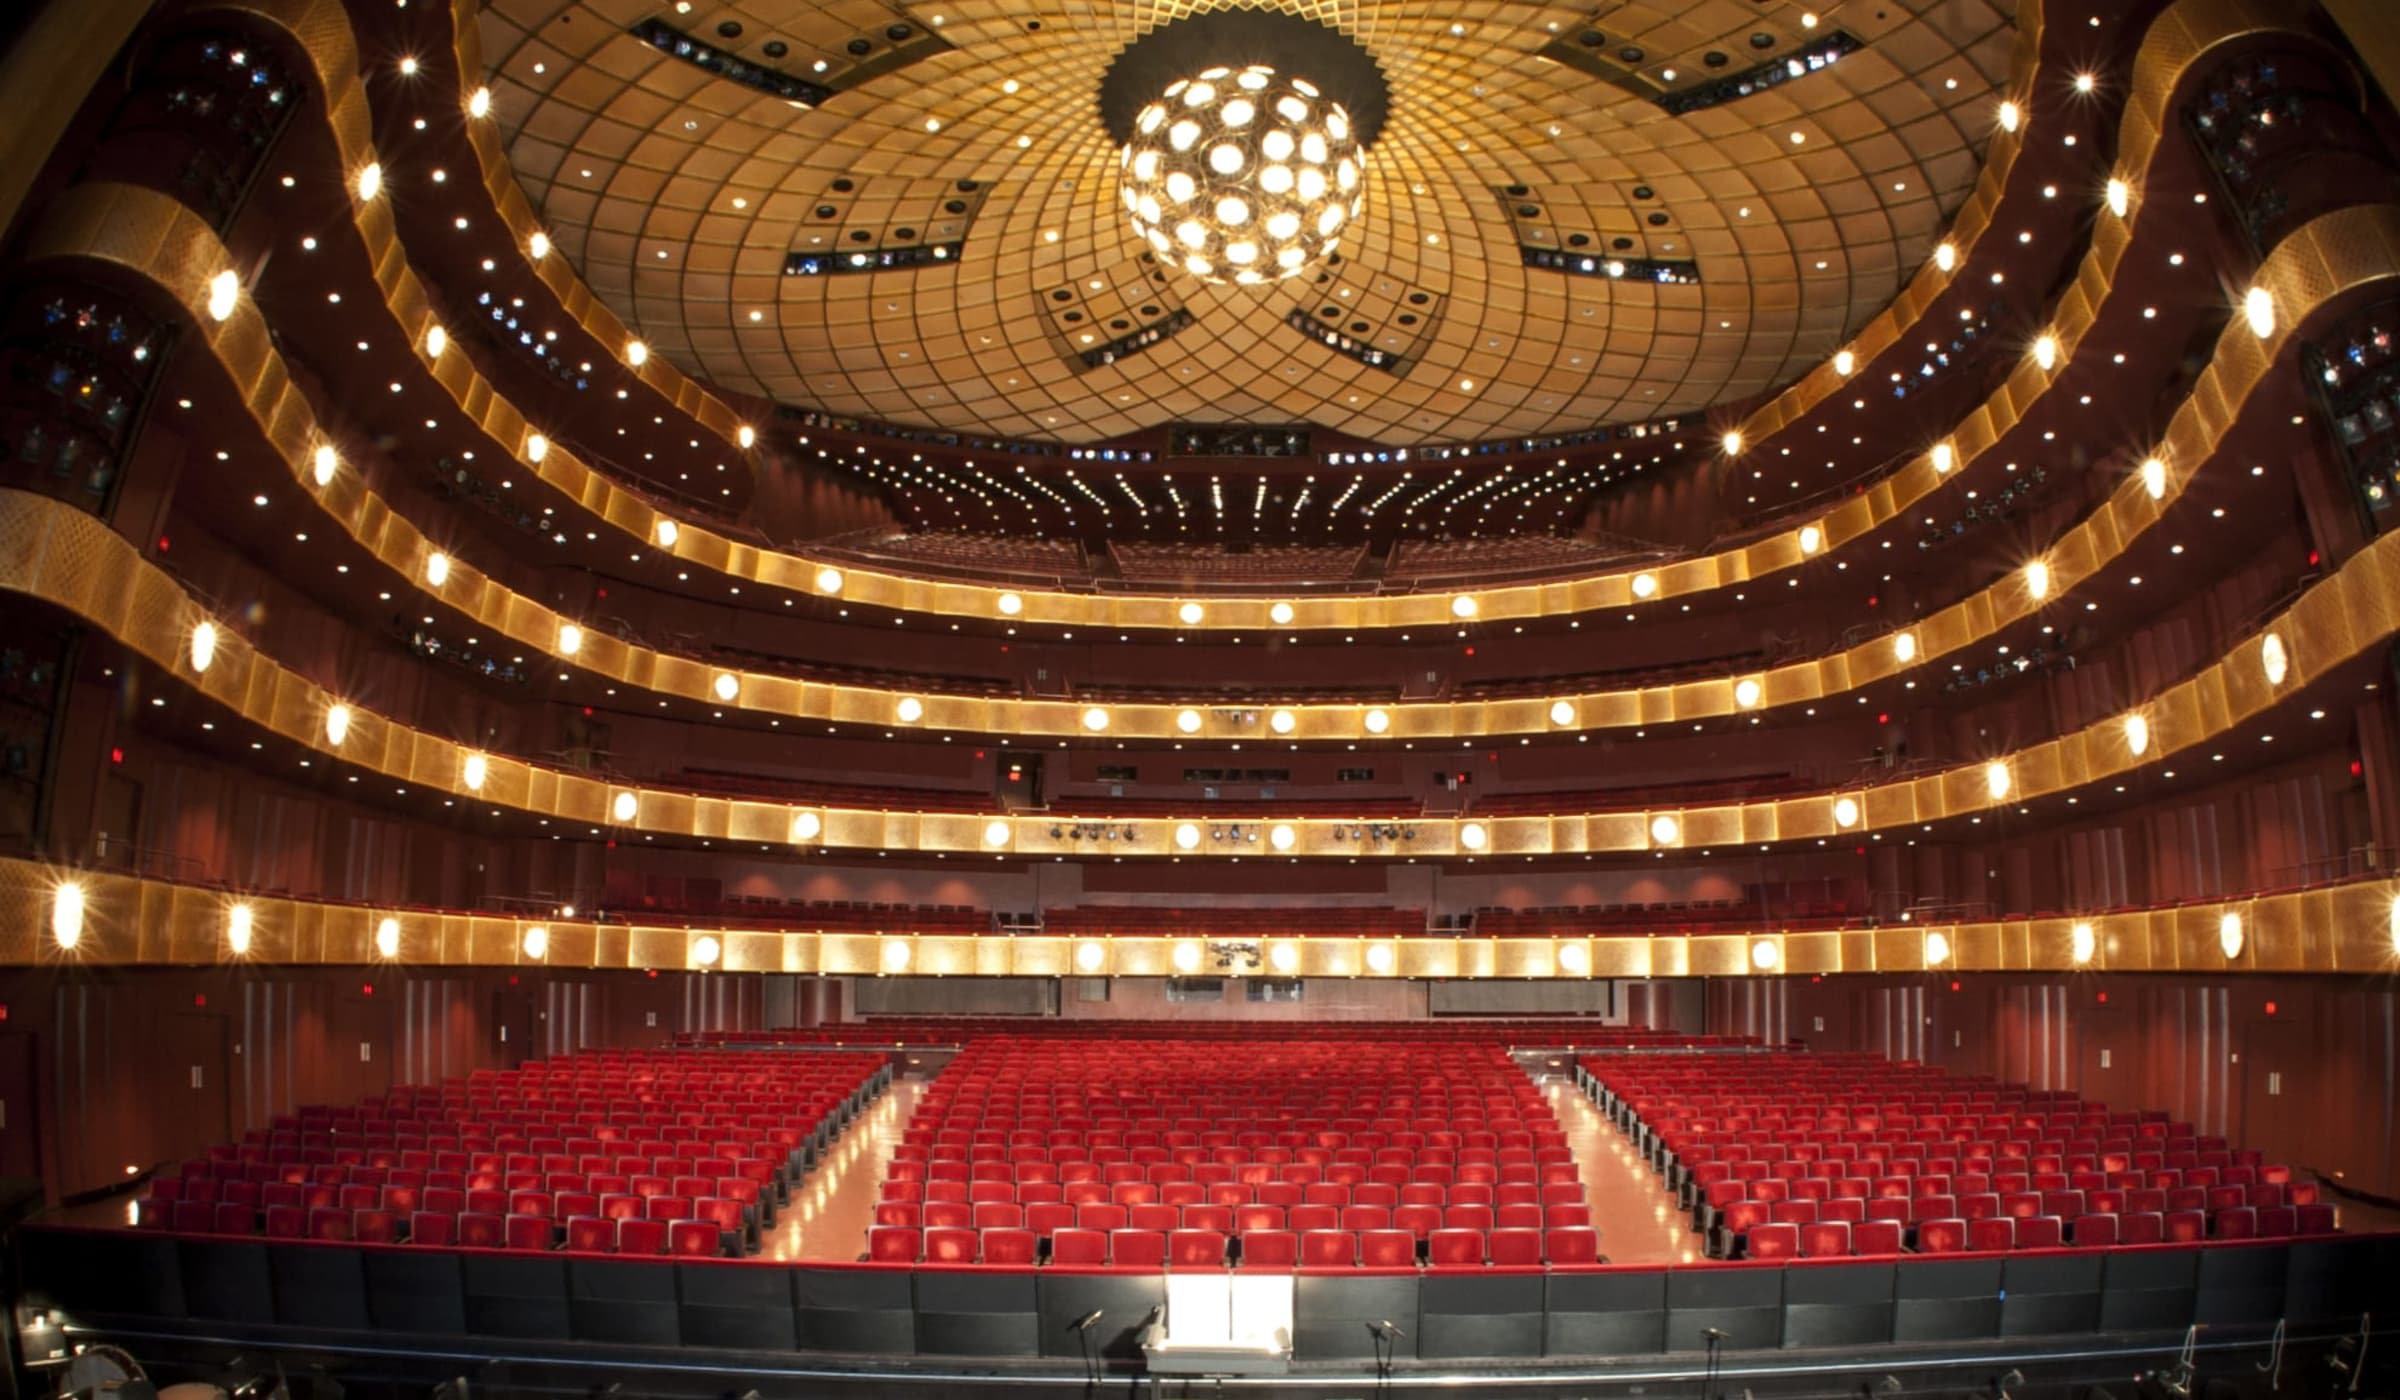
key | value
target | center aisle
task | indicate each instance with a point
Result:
(1636, 1216)
(829, 1217)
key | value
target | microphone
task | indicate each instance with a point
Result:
(1086, 1322)
(1386, 1328)
(1714, 1334)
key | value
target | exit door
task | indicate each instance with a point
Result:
(199, 1084)
(20, 1142)
(2274, 1056)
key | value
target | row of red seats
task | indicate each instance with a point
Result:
(1129, 1181)
(1836, 1238)
(685, 1236)
(1137, 1248)
(1047, 1218)
(1289, 1195)
(957, 1030)
(643, 1192)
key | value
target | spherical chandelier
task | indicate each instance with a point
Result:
(1243, 175)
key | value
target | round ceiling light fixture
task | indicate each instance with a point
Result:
(1242, 175)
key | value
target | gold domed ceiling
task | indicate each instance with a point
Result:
(716, 170)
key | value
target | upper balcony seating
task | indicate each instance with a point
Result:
(869, 677)
(811, 792)
(626, 1152)
(1214, 565)
(1172, 1152)
(1831, 899)
(1234, 923)
(1485, 560)
(1783, 1154)
(1021, 557)
(1741, 788)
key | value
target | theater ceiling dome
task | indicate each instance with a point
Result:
(1571, 216)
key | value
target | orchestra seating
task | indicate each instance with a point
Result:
(1784, 1154)
(1152, 1153)
(958, 1030)
(618, 1152)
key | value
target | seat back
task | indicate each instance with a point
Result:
(1009, 1245)
(1270, 1249)
(895, 1244)
(1383, 1249)
(1774, 1240)
(1329, 1249)
(1941, 1236)
(1079, 1246)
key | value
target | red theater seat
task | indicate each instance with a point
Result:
(1941, 1236)
(1775, 1240)
(2040, 1232)
(2094, 1230)
(1076, 1246)
(2240, 1223)
(591, 1234)
(696, 1239)
(1270, 1249)
(377, 1226)
(1515, 1246)
(1379, 1249)
(2314, 1219)
(1137, 1249)
(894, 1244)
(1992, 1232)
(1455, 1247)
(1826, 1239)
(1009, 1245)
(1196, 1249)
(1571, 1244)
(1325, 1249)
(644, 1237)
(529, 1232)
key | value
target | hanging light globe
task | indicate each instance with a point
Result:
(1242, 175)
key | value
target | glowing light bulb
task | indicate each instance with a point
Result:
(224, 294)
(806, 826)
(2082, 942)
(239, 921)
(2258, 306)
(204, 645)
(66, 916)
(387, 939)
